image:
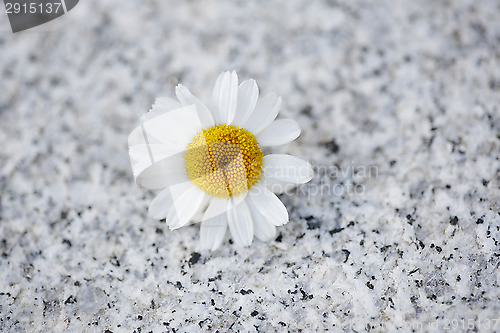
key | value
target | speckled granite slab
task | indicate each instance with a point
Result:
(399, 229)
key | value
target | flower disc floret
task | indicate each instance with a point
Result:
(223, 161)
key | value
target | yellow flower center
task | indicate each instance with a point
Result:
(223, 161)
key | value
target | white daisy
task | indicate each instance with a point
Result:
(209, 164)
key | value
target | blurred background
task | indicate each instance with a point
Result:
(409, 89)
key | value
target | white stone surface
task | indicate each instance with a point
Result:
(405, 93)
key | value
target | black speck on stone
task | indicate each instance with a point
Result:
(485, 182)
(115, 262)
(410, 219)
(335, 231)
(313, 222)
(305, 296)
(332, 146)
(64, 214)
(439, 249)
(178, 285)
(159, 231)
(385, 248)
(480, 221)
(254, 313)
(369, 285)
(454, 220)
(70, 300)
(108, 331)
(307, 110)
(139, 317)
(127, 99)
(217, 277)
(347, 253)
(246, 292)
(67, 242)
(392, 163)
(300, 236)
(195, 256)
(279, 238)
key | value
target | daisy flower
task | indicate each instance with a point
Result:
(208, 161)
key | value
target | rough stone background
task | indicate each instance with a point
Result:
(398, 231)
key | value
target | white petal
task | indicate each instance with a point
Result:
(144, 157)
(138, 137)
(161, 204)
(264, 229)
(275, 185)
(214, 224)
(157, 151)
(176, 127)
(185, 207)
(164, 104)
(198, 216)
(265, 112)
(215, 98)
(268, 204)
(279, 132)
(240, 224)
(186, 98)
(143, 154)
(161, 106)
(248, 93)
(166, 172)
(287, 168)
(235, 201)
(225, 98)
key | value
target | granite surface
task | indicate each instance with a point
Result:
(398, 231)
